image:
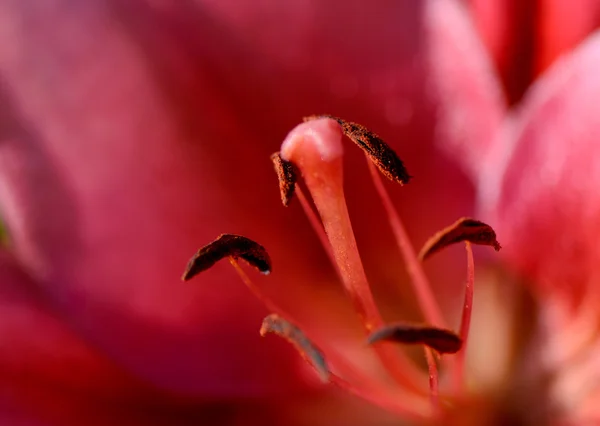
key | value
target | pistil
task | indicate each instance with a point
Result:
(315, 147)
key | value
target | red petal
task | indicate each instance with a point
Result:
(138, 132)
(508, 30)
(526, 37)
(541, 184)
(47, 374)
(563, 25)
(100, 185)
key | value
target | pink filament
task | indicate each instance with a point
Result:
(419, 281)
(316, 225)
(433, 377)
(381, 399)
(465, 324)
(270, 305)
(332, 355)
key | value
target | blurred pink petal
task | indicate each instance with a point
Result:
(526, 37)
(540, 186)
(540, 183)
(102, 179)
(563, 25)
(46, 369)
(507, 28)
(135, 131)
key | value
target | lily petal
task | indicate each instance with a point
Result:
(508, 30)
(541, 182)
(563, 26)
(47, 373)
(100, 181)
(526, 37)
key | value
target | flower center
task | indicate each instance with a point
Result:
(314, 149)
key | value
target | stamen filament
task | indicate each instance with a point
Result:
(419, 281)
(254, 289)
(433, 377)
(465, 324)
(382, 399)
(335, 358)
(317, 226)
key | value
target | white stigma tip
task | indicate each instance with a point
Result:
(324, 134)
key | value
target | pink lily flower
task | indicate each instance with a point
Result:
(131, 132)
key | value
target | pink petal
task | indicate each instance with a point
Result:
(526, 37)
(509, 32)
(46, 372)
(563, 26)
(137, 134)
(541, 181)
(100, 178)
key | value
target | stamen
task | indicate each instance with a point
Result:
(470, 231)
(374, 147)
(315, 148)
(228, 245)
(287, 177)
(269, 304)
(286, 174)
(464, 229)
(465, 323)
(441, 340)
(420, 283)
(433, 377)
(317, 227)
(310, 353)
(275, 324)
(334, 356)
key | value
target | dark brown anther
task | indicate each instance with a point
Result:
(228, 245)
(286, 173)
(438, 339)
(275, 324)
(378, 151)
(465, 229)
